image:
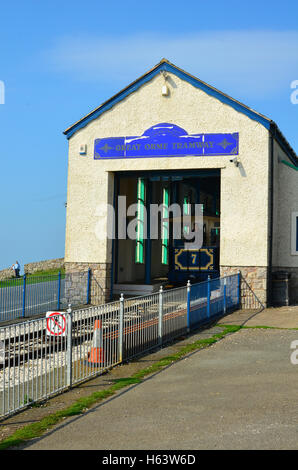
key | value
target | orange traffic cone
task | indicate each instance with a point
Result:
(96, 355)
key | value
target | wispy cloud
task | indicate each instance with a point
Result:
(259, 62)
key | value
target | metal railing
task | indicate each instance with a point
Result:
(249, 299)
(39, 359)
(33, 295)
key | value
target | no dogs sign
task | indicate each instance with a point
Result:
(56, 323)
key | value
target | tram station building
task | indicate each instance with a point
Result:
(168, 138)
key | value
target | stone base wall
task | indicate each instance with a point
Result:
(30, 268)
(257, 280)
(6, 274)
(47, 265)
(76, 275)
(253, 291)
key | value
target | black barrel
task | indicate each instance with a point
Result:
(280, 288)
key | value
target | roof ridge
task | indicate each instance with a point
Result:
(172, 68)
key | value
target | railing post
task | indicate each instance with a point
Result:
(208, 296)
(239, 289)
(24, 295)
(88, 286)
(160, 315)
(69, 346)
(188, 305)
(121, 319)
(59, 290)
(225, 296)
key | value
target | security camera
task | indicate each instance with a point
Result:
(235, 161)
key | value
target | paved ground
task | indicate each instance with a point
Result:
(282, 317)
(102, 382)
(241, 393)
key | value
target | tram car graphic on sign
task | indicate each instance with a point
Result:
(166, 140)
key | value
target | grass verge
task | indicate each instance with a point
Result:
(262, 327)
(38, 428)
(35, 278)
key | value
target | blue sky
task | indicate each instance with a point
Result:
(61, 59)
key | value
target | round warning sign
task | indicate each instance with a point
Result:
(56, 323)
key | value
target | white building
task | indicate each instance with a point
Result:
(169, 137)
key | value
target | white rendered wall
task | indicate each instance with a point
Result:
(244, 190)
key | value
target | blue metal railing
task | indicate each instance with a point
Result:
(129, 327)
(32, 295)
(210, 299)
(88, 286)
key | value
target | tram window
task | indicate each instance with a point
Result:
(186, 212)
(165, 226)
(214, 236)
(139, 254)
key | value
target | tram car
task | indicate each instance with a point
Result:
(196, 264)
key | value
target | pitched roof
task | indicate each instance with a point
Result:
(165, 65)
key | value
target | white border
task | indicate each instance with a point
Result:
(294, 234)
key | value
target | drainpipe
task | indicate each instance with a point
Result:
(114, 266)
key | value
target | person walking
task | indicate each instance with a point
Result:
(16, 267)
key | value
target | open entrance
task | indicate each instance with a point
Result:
(142, 264)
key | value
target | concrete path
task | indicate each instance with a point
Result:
(281, 317)
(241, 393)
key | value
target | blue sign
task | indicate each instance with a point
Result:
(166, 140)
(194, 260)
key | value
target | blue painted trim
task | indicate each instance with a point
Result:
(220, 96)
(225, 298)
(284, 145)
(208, 296)
(108, 105)
(166, 156)
(188, 308)
(290, 165)
(182, 75)
(24, 296)
(88, 286)
(239, 289)
(171, 173)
